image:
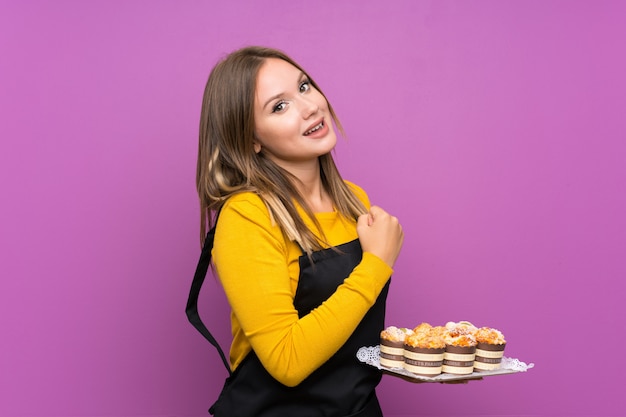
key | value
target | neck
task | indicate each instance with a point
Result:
(310, 187)
(316, 197)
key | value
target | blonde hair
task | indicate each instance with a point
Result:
(227, 163)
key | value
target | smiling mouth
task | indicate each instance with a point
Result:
(314, 128)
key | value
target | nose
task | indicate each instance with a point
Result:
(309, 107)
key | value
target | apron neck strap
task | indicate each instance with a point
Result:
(192, 302)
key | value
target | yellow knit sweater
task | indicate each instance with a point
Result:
(259, 271)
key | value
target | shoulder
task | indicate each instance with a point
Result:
(245, 204)
(359, 193)
(245, 217)
(246, 198)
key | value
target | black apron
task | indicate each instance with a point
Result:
(341, 387)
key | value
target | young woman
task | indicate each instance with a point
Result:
(303, 259)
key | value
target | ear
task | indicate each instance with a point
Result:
(257, 146)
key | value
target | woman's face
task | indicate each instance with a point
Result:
(293, 125)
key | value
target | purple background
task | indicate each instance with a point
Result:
(495, 130)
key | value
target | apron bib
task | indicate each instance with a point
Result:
(341, 387)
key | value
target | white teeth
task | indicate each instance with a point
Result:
(318, 127)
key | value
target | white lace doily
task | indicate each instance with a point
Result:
(515, 364)
(369, 355)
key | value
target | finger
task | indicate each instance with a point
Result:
(375, 210)
(364, 220)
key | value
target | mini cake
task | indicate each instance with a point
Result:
(460, 350)
(424, 350)
(461, 327)
(489, 349)
(392, 346)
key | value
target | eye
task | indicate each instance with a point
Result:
(305, 86)
(280, 106)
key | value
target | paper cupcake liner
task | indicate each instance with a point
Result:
(423, 361)
(459, 360)
(423, 370)
(390, 350)
(459, 364)
(391, 354)
(459, 357)
(426, 368)
(457, 370)
(423, 356)
(489, 354)
(483, 366)
(391, 363)
(428, 364)
(490, 347)
(392, 343)
(487, 360)
(391, 357)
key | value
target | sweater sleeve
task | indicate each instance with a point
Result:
(252, 261)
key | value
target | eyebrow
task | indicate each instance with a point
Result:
(279, 95)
